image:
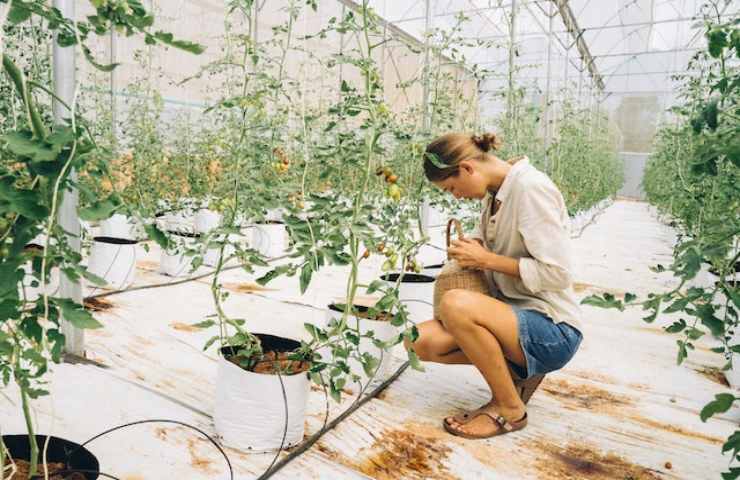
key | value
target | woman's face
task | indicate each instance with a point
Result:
(468, 183)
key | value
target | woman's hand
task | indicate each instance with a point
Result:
(469, 253)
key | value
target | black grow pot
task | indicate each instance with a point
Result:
(115, 240)
(408, 278)
(178, 233)
(59, 451)
(269, 343)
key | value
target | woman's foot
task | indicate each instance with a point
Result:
(487, 421)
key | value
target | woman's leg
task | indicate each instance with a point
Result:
(487, 331)
(436, 344)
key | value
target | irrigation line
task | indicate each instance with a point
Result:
(177, 282)
(309, 442)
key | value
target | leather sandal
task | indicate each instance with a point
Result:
(503, 426)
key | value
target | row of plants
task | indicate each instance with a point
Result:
(693, 178)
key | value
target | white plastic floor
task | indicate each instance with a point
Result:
(621, 409)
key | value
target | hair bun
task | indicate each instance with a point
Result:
(487, 141)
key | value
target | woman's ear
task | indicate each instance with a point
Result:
(466, 166)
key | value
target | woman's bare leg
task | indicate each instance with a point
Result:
(487, 331)
(436, 344)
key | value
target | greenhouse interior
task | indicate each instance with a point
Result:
(404, 228)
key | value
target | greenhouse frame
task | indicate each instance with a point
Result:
(367, 239)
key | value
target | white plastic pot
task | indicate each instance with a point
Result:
(270, 239)
(117, 226)
(206, 220)
(382, 330)
(52, 280)
(431, 216)
(210, 258)
(114, 260)
(416, 293)
(250, 410)
(174, 262)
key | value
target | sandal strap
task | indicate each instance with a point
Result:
(501, 421)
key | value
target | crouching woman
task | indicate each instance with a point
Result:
(530, 321)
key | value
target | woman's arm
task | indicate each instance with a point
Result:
(470, 253)
(540, 212)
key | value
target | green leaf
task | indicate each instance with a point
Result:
(682, 352)
(305, 278)
(169, 39)
(21, 144)
(676, 327)
(607, 301)
(274, 273)
(414, 361)
(99, 209)
(717, 41)
(99, 66)
(18, 12)
(203, 324)
(75, 314)
(157, 235)
(721, 403)
(25, 202)
(706, 314)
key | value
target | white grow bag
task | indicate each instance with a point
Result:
(250, 409)
(113, 260)
(416, 293)
(382, 330)
(270, 239)
(174, 262)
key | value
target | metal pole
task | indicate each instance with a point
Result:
(64, 88)
(427, 67)
(113, 112)
(547, 82)
(512, 39)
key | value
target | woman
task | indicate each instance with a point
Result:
(531, 320)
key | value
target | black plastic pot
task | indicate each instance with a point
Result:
(183, 234)
(80, 458)
(407, 278)
(269, 343)
(115, 241)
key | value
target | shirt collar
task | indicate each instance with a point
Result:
(515, 171)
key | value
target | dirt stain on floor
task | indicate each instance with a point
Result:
(399, 454)
(184, 327)
(98, 304)
(714, 374)
(246, 287)
(196, 461)
(677, 430)
(576, 461)
(148, 265)
(583, 396)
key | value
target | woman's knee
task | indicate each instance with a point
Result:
(454, 309)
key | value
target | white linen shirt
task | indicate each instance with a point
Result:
(531, 225)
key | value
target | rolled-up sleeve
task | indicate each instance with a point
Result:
(540, 217)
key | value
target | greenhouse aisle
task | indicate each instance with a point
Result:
(621, 409)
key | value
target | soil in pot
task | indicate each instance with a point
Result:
(276, 351)
(362, 311)
(57, 457)
(408, 278)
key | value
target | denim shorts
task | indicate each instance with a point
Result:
(547, 345)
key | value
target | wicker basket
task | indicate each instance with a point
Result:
(454, 276)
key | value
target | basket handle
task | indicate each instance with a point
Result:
(458, 227)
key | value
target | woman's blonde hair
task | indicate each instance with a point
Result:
(443, 156)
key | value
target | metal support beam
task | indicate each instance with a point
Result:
(570, 22)
(549, 75)
(426, 104)
(64, 88)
